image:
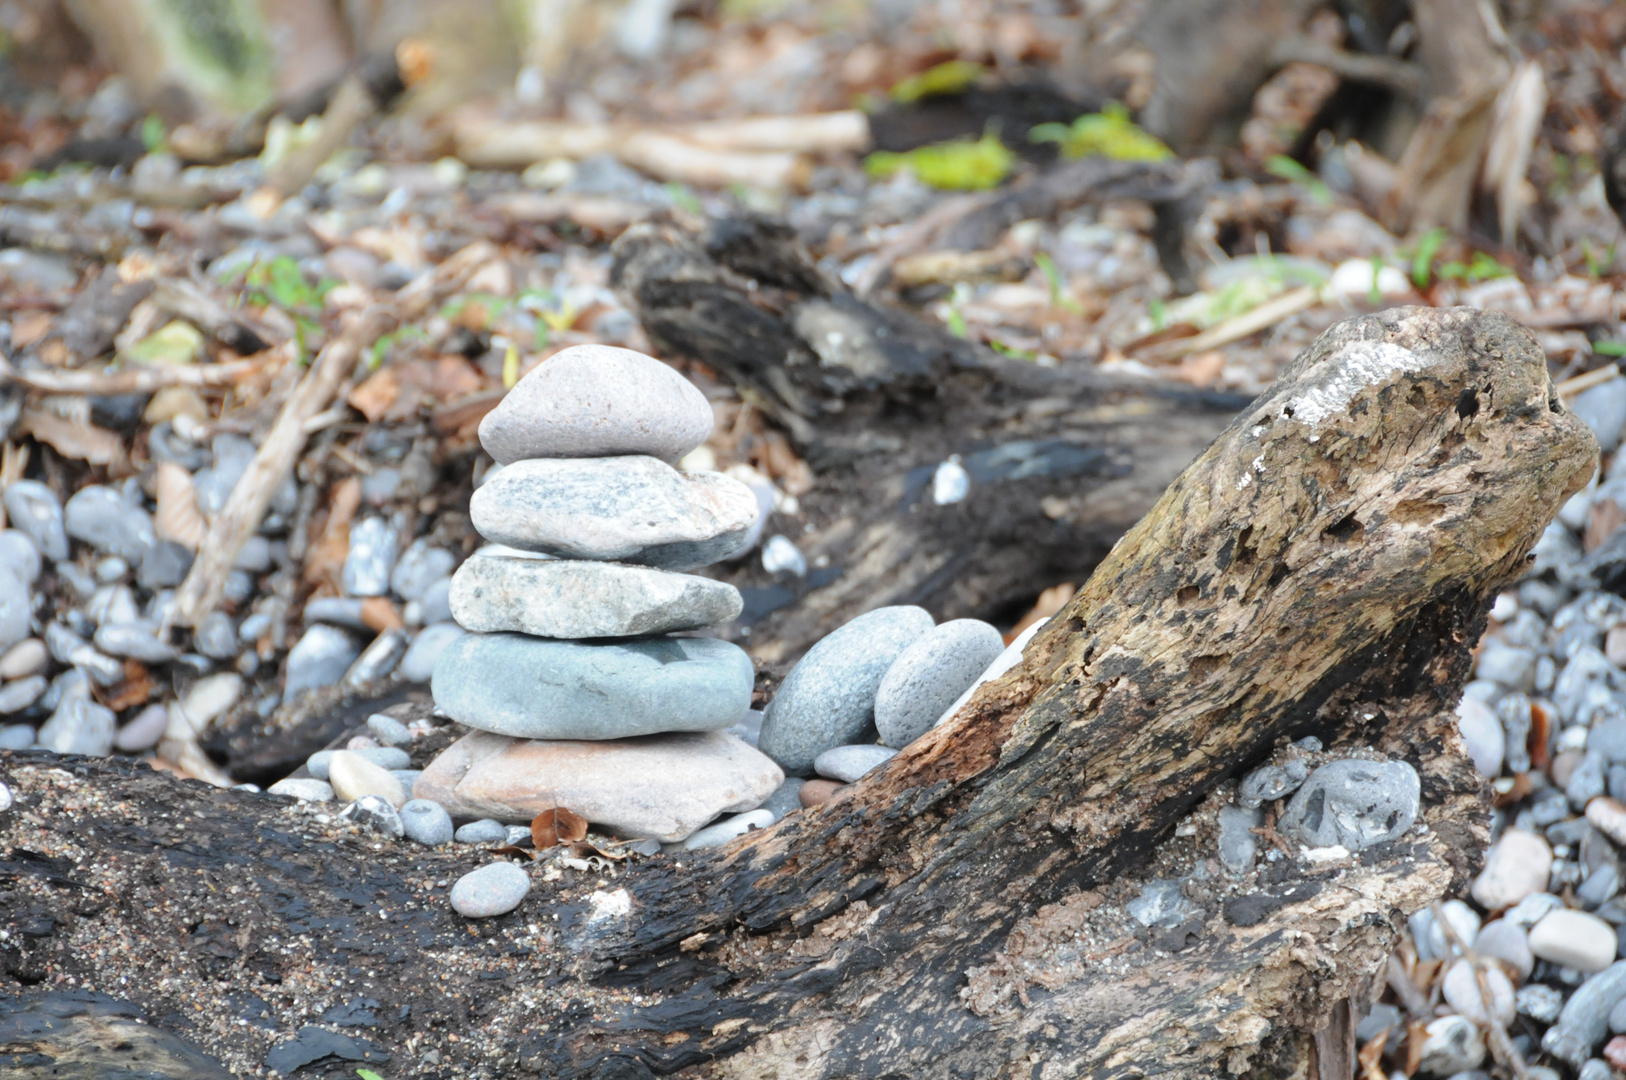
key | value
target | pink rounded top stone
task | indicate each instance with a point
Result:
(598, 401)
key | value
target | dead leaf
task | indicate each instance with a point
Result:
(136, 688)
(1200, 369)
(324, 559)
(374, 396)
(379, 614)
(1050, 601)
(178, 517)
(29, 327)
(513, 852)
(556, 826)
(1371, 1057)
(1541, 726)
(77, 439)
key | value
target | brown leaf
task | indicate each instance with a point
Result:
(324, 558)
(557, 825)
(512, 852)
(379, 614)
(374, 396)
(136, 688)
(29, 327)
(80, 440)
(178, 517)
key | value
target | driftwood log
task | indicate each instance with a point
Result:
(1060, 461)
(1322, 569)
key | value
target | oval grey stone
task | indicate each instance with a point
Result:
(103, 519)
(16, 609)
(571, 599)
(630, 509)
(418, 665)
(1354, 803)
(377, 813)
(320, 658)
(828, 699)
(721, 833)
(144, 731)
(930, 675)
(19, 552)
(848, 763)
(33, 508)
(137, 640)
(534, 688)
(491, 890)
(484, 831)
(598, 401)
(388, 730)
(19, 694)
(1269, 783)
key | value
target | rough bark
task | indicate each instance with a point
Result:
(1322, 569)
(875, 398)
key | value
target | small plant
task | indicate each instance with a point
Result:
(1285, 168)
(1058, 292)
(1109, 133)
(950, 77)
(153, 135)
(960, 165)
(282, 283)
(1422, 260)
(1480, 268)
(368, 1074)
(1609, 348)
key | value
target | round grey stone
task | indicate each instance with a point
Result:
(1270, 782)
(374, 545)
(19, 694)
(317, 764)
(426, 822)
(484, 831)
(1354, 803)
(572, 599)
(165, 565)
(491, 890)
(215, 636)
(16, 737)
(748, 730)
(102, 518)
(533, 688)
(136, 640)
(143, 731)
(828, 699)
(388, 730)
(79, 726)
(598, 401)
(630, 509)
(786, 798)
(930, 675)
(33, 508)
(418, 665)
(385, 757)
(19, 552)
(437, 604)
(721, 833)
(848, 763)
(320, 658)
(420, 566)
(375, 812)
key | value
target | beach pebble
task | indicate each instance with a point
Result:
(1506, 941)
(629, 509)
(828, 699)
(353, 776)
(495, 889)
(34, 510)
(105, 520)
(420, 566)
(436, 603)
(1237, 842)
(573, 690)
(373, 548)
(79, 726)
(721, 833)
(1574, 939)
(215, 637)
(19, 554)
(1271, 782)
(785, 799)
(1518, 865)
(318, 762)
(303, 790)
(748, 730)
(136, 640)
(572, 599)
(929, 675)
(320, 658)
(660, 786)
(1584, 1021)
(1540, 1002)
(1480, 996)
(16, 737)
(1452, 1045)
(1003, 663)
(1617, 1018)
(418, 665)
(1354, 803)
(597, 401)
(143, 731)
(19, 694)
(848, 763)
(389, 731)
(1508, 665)
(484, 831)
(518, 836)
(374, 812)
(27, 657)
(815, 792)
(16, 607)
(1608, 816)
(426, 822)
(1482, 732)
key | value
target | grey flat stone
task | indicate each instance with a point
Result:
(659, 786)
(1354, 803)
(1237, 842)
(420, 566)
(144, 731)
(103, 519)
(572, 599)
(721, 833)
(1584, 1021)
(539, 689)
(426, 822)
(388, 730)
(848, 763)
(136, 640)
(828, 699)
(19, 694)
(484, 831)
(598, 401)
(79, 726)
(16, 737)
(418, 665)
(786, 798)
(34, 509)
(317, 764)
(929, 675)
(320, 658)
(491, 890)
(1270, 782)
(629, 509)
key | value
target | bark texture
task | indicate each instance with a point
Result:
(1322, 569)
(1061, 462)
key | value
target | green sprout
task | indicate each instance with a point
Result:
(153, 135)
(1422, 260)
(951, 77)
(960, 165)
(1058, 292)
(1109, 133)
(1285, 168)
(1609, 348)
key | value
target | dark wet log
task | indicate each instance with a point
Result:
(1322, 569)
(1060, 461)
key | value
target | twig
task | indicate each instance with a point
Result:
(1262, 317)
(1587, 380)
(1505, 1051)
(142, 380)
(352, 104)
(1403, 77)
(1406, 990)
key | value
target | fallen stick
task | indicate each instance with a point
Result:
(1587, 380)
(1260, 318)
(200, 593)
(663, 155)
(134, 380)
(816, 133)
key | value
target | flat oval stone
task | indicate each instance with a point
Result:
(572, 599)
(484, 831)
(721, 833)
(930, 674)
(303, 790)
(426, 822)
(491, 890)
(1464, 993)
(1574, 939)
(1355, 804)
(1518, 865)
(598, 401)
(534, 688)
(828, 699)
(815, 792)
(629, 509)
(848, 763)
(663, 787)
(353, 776)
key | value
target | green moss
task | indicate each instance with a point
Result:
(950, 77)
(1108, 133)
(961, 165)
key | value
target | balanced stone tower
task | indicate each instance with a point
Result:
(578, 696)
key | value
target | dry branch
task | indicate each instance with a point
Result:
(142, 380)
